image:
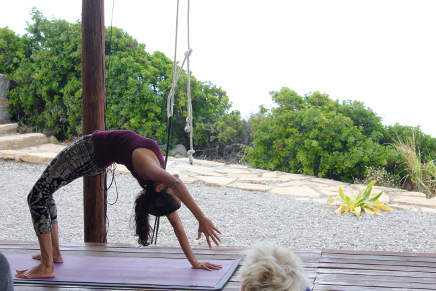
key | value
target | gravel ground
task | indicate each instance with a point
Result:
(243, 217)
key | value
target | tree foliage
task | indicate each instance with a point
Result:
(45, 66)
(47, 94)
(12, 50)
(318, 136)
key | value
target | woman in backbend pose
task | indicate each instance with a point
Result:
(90, 155)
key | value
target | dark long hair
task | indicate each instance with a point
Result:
(143, 226)
(149, 202)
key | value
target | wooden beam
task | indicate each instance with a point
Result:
(93, 83)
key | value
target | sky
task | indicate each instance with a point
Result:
(379, 52)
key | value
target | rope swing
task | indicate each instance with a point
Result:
(177, 71)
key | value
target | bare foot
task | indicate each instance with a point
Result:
(56, 259)
(37, 272)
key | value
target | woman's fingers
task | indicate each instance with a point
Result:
(207, 266)
(217, 237)
(214, 267)
(215, 240)
(210, 231)
(211, 266)
(217, 230)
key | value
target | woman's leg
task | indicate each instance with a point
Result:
(75, 161)
(57, 256)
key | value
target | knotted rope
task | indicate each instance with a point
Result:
(176, 75)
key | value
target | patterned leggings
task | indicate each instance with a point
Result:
(75, 161)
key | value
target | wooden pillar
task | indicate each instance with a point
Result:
(93, 83)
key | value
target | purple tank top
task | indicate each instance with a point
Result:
(116, 146)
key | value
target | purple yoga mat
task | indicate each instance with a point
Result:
(127, 271)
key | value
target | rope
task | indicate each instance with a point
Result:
(157, 219)
(177, 71)
(155, 230)
(170, 102)
(106, 188)
(188, 127)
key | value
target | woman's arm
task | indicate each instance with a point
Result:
(149, 169)
(184, 243)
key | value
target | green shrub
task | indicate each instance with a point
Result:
(309, 135)
(47, 94)
(12, 50)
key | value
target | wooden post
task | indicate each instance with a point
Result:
(93, 83)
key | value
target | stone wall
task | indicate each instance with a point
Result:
(4, 86)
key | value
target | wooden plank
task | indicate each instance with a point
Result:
(127, 251)
(313, 280)
(117, 245)
(399, 257)
(321, 287)
(377, 262)
(132, 249)
(377, 273)
(377, 267)
(306, 255)
(380, 253)
(343, 270)
(366, 281)
(374, 280)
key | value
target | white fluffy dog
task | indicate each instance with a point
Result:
(272, 268)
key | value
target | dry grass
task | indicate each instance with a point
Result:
(422, 174)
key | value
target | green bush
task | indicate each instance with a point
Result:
(47, 91)
(12, 50)
(311, 135)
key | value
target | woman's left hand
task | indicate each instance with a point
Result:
(210, 231)
(206, 266)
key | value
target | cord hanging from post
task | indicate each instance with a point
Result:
(176, 75)
(177, 71)
(188, 127)
(106, 187)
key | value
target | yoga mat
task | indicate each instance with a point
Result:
(128, 272)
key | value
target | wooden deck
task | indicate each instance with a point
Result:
(330, 270)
